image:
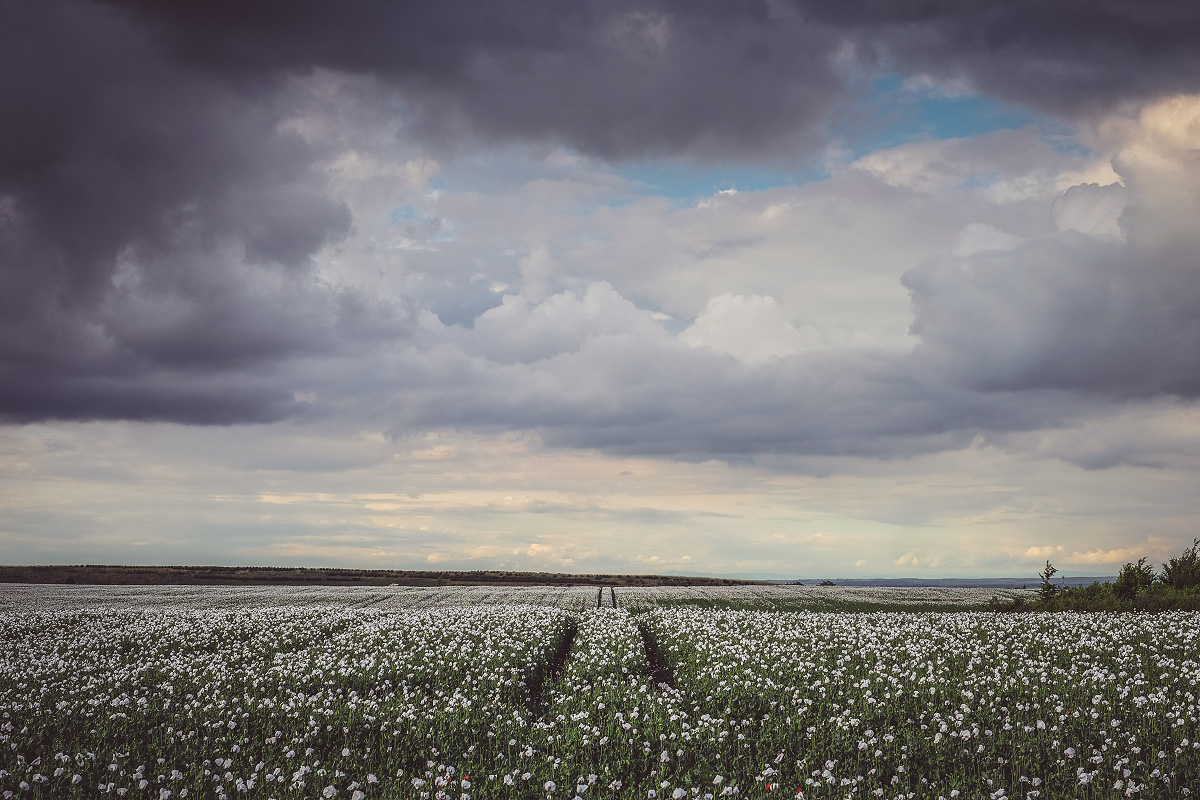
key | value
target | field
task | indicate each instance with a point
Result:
(534, 692)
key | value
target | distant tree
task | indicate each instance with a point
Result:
(1183, 571)
(827, 583)
(1048, 590)
(1134, 579)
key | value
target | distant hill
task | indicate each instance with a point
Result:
(303, 576)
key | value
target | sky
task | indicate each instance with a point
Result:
(774, 287)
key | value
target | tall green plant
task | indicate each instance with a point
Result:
(1183, 571)
(1134, 579)
(1048, 591)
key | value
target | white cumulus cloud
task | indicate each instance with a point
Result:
(750, 328)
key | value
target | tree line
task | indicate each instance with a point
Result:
(1138, 587)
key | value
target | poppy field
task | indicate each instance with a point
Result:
(536, 693)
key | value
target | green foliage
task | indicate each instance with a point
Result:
(1183, 571)
(1103, 597)
(1134, 579)
(1048, 590)
(1137, 588)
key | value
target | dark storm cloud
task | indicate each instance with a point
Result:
(1059, 56)
(659, 77)
(155, 228)
(1066, 312)
(157, 222)
(615, 79)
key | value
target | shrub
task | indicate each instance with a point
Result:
(1183, 571)
(1134, 579)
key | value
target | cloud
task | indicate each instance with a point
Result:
(633, 79)
(751, 329)
(1114, 309)
(95, 492)
(623, 80)
(221, 213)
(156, 231)
(520, 331)
(1044, 54)
(1017, 337)
(1009, 165)
(1117, 556)
(1092, 209)
(979, 237)
(1163, 435)
(629, 386)
(165, 191)
(1043, 551)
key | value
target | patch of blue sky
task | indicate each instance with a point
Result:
(406, 213)
(895, 111)
(889, 113)
(434, 229)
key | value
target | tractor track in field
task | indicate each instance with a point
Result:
(553, 671)
(660, 671)
(612, 593)
(657, 668)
